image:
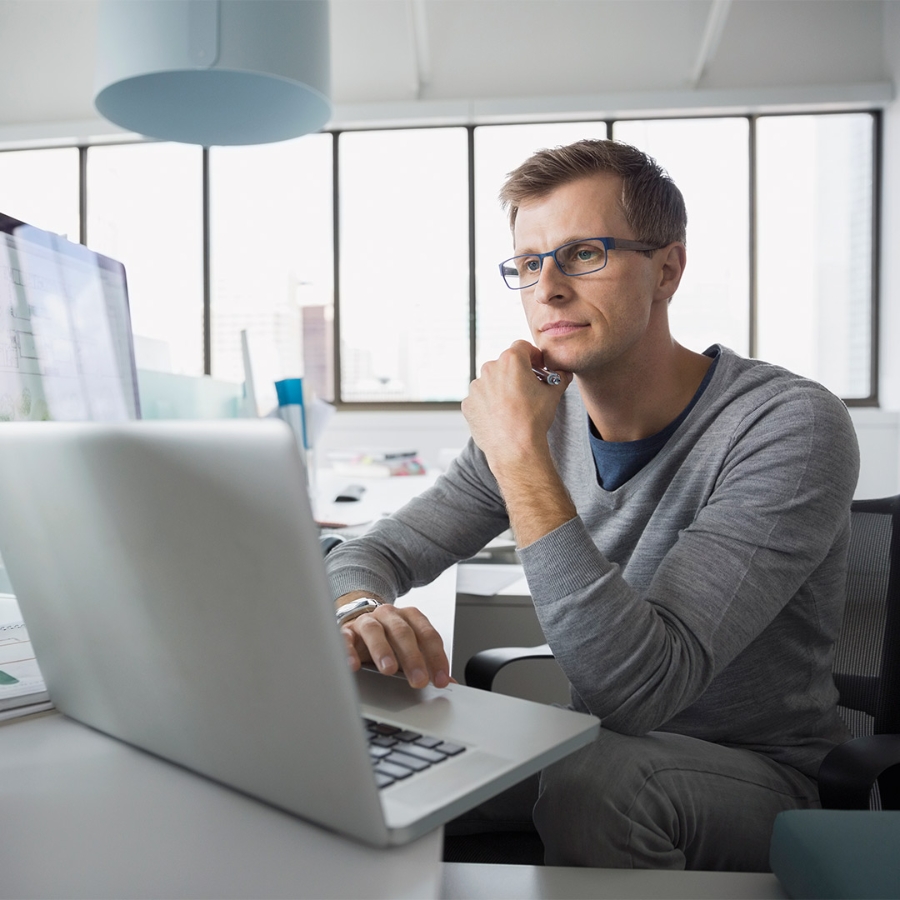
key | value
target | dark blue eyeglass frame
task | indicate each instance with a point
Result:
(509, 270)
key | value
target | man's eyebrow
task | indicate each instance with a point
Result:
(568, 240)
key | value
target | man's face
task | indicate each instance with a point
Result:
(583, 324)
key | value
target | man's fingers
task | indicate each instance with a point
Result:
(370, 629)
(431, 646)
(404, 640)
(353, 658)
(395, 639)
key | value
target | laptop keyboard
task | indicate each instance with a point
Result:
(398, 754)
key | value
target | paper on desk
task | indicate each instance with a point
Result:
(518, 588)
(484, 579)
(21, 682)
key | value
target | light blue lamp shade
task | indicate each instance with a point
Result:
(214, 72)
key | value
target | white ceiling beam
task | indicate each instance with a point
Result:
(712, 34)
(418, 27)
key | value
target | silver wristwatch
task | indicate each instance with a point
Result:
(355, 608)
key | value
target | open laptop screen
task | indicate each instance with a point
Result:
(66, 349)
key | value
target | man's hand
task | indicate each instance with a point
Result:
(509, 412)
(394, 640)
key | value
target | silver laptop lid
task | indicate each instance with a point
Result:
(171, 580)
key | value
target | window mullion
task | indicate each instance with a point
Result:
(752, 312)
(207, 267)
(473, 322)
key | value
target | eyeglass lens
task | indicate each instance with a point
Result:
(577, 258)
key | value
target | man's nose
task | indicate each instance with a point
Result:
(552, 282)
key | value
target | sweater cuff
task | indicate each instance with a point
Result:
(359, 579)
(563, 562)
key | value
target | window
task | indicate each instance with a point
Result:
(393, 296)
(404, 265)
(145, 209)
(815, 238)
(271, 257)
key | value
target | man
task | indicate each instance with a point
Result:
(682, 519)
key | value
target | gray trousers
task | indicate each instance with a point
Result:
(658, 801)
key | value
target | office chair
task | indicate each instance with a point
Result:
(866, 770)
(329, 541)
(867, 666)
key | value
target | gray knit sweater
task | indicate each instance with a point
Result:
(704, 595)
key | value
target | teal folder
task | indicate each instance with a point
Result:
(825, 853)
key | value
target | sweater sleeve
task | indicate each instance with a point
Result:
(774, 505)
(449, 522)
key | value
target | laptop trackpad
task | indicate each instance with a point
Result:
(391, 693)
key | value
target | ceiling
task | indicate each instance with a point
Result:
(495, 56)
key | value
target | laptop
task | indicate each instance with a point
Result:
(172, 582)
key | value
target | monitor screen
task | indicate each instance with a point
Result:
(66, 349)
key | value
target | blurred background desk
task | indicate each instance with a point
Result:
(496, 610)
(380, 497)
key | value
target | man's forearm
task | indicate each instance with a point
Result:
(537, 501)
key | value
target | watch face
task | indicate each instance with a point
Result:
(356, 608)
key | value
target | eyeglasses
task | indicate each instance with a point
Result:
(573, 259)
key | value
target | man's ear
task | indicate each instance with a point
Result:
(671, 268)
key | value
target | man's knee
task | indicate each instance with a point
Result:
(664, 801)
(611, 771)
(586, 812)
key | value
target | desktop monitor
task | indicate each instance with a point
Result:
(262, 368)
(66, 349)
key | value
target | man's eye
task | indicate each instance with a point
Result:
(586, 254)
(530, 266)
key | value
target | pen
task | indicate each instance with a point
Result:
(547, 376)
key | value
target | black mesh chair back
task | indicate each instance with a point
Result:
(865, 772)
(867, 657)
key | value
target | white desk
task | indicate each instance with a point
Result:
(87, 816)
(473, 881)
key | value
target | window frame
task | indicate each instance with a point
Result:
(871, 400)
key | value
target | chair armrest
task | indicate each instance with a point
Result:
(483, 667)
(328, 542)
(849, 772)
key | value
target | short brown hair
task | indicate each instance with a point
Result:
(652, 204)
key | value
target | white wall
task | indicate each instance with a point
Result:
(878, 432)
(428, 433)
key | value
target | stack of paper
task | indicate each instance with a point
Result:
(377, 465)
(22, 688)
